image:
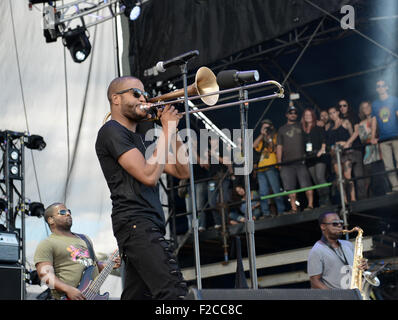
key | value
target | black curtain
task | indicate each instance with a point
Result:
(217, 28)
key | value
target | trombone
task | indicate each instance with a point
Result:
(206, 88)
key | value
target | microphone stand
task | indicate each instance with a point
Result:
(195, 223)
(243, 95)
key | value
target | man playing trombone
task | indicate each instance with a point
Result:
(137, 216)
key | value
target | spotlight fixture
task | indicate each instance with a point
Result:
(132, 9)
(14, 162)
(3, 204)
(35, 142)
(76, 40)
(36, 209)
(33, 209)
(2, 136)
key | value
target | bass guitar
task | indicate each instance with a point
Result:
(89, 286)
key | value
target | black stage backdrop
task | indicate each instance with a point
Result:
(217, 28)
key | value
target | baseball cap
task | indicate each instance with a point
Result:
(268, 121)
(290, 108)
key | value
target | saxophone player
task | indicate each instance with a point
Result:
(330, 260)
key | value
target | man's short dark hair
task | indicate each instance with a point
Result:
(116, 84)
(322, 216)
(49, 212)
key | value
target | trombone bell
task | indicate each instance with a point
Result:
(205, 82)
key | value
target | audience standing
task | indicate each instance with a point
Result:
(219, 174)
(372, 156)
(355, 153)
(268, 177)
(200, 172)
(385, 109)
(324, 120)
(315, 148)
(337, 136)
(290, 148)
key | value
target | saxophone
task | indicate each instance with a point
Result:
(357, 274)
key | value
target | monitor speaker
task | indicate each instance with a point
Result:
(11, 277)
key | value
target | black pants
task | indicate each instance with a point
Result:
(151, 268)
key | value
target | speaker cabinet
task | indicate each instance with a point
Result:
(273, 294)
(11, 285)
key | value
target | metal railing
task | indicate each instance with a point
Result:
(222, 206)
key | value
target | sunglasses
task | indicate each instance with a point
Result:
(137, 93)
(335, 223)
(63, 212)
(292, 112)
(343, 105)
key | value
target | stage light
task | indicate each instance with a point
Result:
(76, 40)
(36, 209)
(135, 12)
(14, 160)
(35, 142)
(33, 209)
(132, 9)
(14, 155)
(14, 170)
(3, 205)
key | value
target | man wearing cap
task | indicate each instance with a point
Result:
(290, 150)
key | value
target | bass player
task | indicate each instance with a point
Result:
(62, 258)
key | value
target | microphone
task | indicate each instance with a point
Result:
(233, 78)
(161, 66)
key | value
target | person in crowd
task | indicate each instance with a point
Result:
(290, 149)
(337, 137)
(62, 258)
(201, 168)
(315, 148)
(385, 109)
(372, 155)
(268, 177)
(256, 207)
(324, 120)
(219, 173)
(356, 147)
(330, 260)
(132, 167)
(235, 214)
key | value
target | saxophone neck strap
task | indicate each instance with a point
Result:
(342, 259)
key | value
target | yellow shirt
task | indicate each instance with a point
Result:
(268, 154)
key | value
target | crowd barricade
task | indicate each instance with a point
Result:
(225, 206)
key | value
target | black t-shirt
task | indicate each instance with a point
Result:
(130, 197)
(336, 135)
(354, 120)
(316, 136)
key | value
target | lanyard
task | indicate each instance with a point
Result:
(345, 261)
